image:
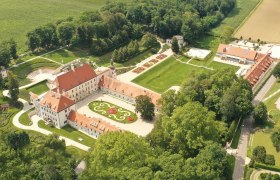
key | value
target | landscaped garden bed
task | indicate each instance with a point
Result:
(113, 112)
(138, 70)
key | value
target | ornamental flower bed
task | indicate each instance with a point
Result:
(147, 64)
(154, 61)
(129, 118)
(138, 70)
(161, 56)
(112, 111)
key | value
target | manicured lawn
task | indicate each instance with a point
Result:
(238, 15)
(17, 18)
(39, 88)
(77, 153)
(67, 55)
(166, 74)
(113, 112)
(231, 161)
(262, 138)
(274, 88)
(70, 133)
(23, 70)
(235, 140)
(24, 119)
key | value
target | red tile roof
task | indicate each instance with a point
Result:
(263, 63)
(129, 90)
(74, 78)
(237, 51)
(91, 123)
(33, 95)
(57, 102)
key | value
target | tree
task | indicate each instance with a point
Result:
(275, 138)
(66, 32)
(175, 45)
(168, 102)
(276, 71)
(51, 173)
(13, 87)
(260, 113)
(226, 34)
(13, 48)
(33, 41)
(259, 154)
(145, 107)
(210, 163)
(5, 55)
(190, 128)
(115, 56)
(18, 139)
(54, 142)
(270, 160)
(149, 40)
(115, 156)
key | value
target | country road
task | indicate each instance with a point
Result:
(245, 133)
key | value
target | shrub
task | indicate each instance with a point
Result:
(259, 154)
(270, 160)
(275, 138)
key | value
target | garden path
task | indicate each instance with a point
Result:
(35, 127)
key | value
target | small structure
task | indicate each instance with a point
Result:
(4, 72)
(180, 40)
(198, 53)
(4, 107)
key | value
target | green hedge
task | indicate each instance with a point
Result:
(267, 167)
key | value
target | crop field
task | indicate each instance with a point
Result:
(238, 14)
(263, 24)
(19, 17)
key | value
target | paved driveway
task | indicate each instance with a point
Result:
(139, 127)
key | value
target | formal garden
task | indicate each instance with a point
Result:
(113, 112)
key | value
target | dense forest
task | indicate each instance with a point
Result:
(118, 23)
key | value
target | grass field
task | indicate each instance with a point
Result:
(70, 133)
(18, 17)
(262, 137)
(39, 88)
(24, 118)
(266, 19)
(23, 70)
(166, 74)
(237, 16)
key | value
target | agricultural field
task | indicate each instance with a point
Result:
(237, 15)
(263, 24)
(17, 17)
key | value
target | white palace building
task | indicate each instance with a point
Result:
(58, 106)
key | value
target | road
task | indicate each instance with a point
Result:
(256, 173)
(260, 96)
(245, 133)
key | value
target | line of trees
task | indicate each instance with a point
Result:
(125, 53)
